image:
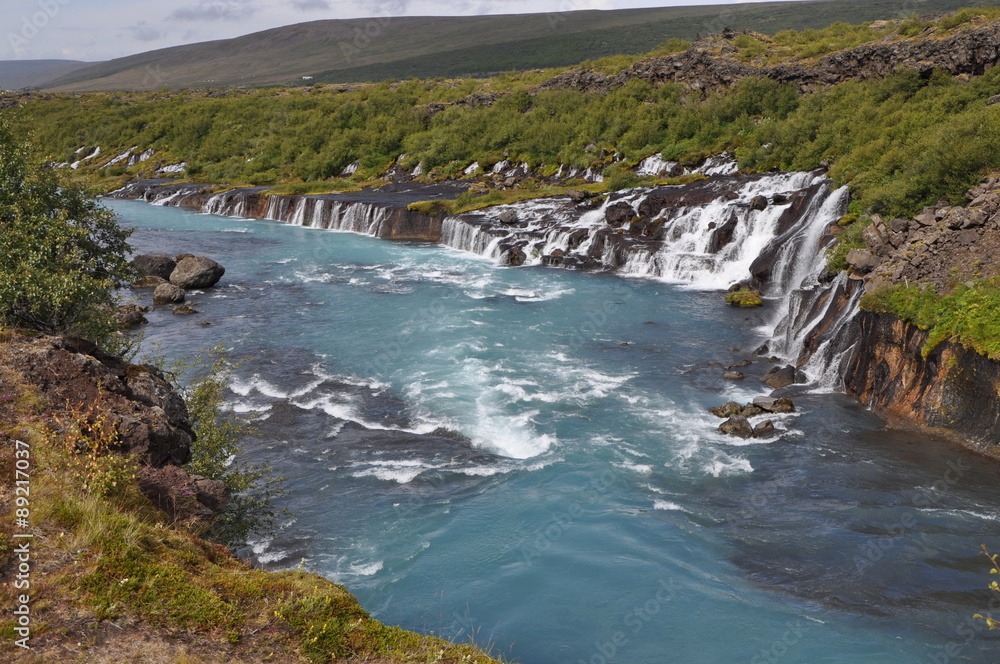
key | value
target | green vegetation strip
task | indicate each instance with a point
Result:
(967, 315)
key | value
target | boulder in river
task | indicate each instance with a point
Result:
(782, 405)
(130, 315)
(727, 409)
(168, 294)
(779, 377)
(737, 425)
(157, 265)
(764, 430)
(149, 281)
(196, 272)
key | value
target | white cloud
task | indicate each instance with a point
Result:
(214, 11)
(311, 5)
(144, 32)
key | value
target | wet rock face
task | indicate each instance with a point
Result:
(953, 391)
(619, 214)
(168, 294)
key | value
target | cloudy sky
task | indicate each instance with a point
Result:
(94, 30)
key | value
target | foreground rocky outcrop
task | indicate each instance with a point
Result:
(150, 419)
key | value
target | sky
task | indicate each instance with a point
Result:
(94, 30)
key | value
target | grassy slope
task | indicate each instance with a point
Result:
(431, 47)
(112, 580)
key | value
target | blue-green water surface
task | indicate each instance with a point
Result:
(525, 457)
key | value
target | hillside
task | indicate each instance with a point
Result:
(382, 48)
(18, 74)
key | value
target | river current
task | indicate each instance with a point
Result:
(524, 457)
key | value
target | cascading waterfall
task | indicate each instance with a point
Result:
(678, 240)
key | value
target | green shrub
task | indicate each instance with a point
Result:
(618, 177)
(852, 237)
(60, 252)
(215, 454)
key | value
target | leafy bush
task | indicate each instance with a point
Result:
(215, 454)
(89, 439)
(60, 252)
(618, 177)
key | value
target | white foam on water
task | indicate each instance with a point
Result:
(668, 506)
(249, 407)
(366, 569)
(723, 465)
(401, 471)
(639, 468)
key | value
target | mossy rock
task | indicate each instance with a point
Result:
(745, 298)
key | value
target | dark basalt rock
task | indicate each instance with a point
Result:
(157, 265)
(508, 217)
(771, 405)
(131, 315)
(727, 409)
(737, 425)
(150, 418)
(514, 257)
(951, 392)
(148, 282)
(764, 430)
(723, 235)
(618, 214)
(779, 377)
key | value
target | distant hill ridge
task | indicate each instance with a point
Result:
(380, 48)
(18, 74)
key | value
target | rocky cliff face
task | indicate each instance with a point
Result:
(954, 392)
(151, 419)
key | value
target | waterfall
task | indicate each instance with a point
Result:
(679, 240)
(464, 235)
